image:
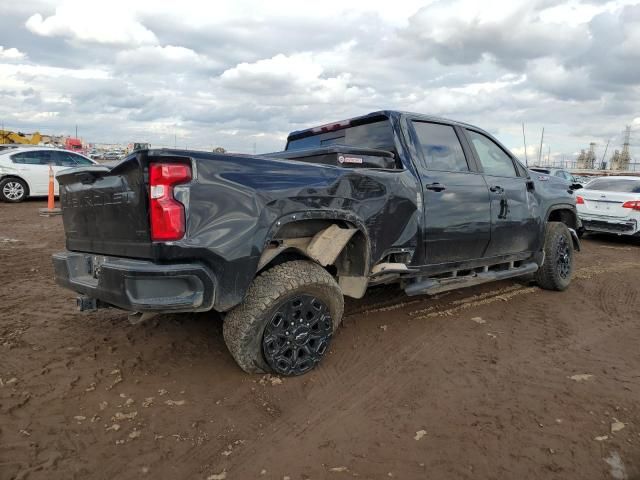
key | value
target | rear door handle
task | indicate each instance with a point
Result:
(436, 187)
(497, 189)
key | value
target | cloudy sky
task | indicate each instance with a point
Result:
(241, 74)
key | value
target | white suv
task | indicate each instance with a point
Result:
(24, 171)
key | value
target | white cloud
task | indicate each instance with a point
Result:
(286, 77)
(11, 54)
(278, 72)
(155, 57)
(99, 22)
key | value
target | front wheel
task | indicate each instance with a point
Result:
(556, 271)
(287, 320)
(13, 190)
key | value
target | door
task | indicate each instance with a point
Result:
(515, 219)
(457, 215)
(34, 168)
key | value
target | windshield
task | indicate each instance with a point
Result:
(614, 185)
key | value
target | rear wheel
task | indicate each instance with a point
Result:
(287, 320)
(557, 269)
(13, 190)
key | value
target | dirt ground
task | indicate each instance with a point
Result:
(505, 381)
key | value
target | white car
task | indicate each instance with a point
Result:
(611, 205)
(24, 171)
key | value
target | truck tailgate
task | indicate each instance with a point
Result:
(105, 209)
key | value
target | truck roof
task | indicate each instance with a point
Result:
(369, 117)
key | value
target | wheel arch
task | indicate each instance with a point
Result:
(566, 214)
(338, 243)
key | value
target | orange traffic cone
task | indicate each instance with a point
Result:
(50, 210)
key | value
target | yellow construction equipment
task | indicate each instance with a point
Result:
(7, 136)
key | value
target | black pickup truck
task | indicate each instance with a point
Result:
(275, 241)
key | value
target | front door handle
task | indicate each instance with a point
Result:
(436, 187)
(497, 189)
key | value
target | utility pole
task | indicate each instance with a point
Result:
(524, 139)
(602, 164)
(549, 156)
(76, 130)
(540, 151)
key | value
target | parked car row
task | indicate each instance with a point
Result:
(110, 155)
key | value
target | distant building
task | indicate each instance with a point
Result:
(620, 160)
(587, 160)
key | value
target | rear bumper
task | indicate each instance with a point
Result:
(136, 285)
(623, 226)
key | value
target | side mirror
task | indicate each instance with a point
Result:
(576, 186)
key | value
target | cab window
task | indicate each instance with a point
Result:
(440, 147)
(493, 159)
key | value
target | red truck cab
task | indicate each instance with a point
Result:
(73, 144)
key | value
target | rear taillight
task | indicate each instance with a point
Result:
(632, 204)
(167, 214)
(579, 200)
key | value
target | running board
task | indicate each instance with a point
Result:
(431, 286)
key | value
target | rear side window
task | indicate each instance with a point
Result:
(494, 160)
(614, 185)
(63, 159)
(32, 158)
(441, 147)
(68, 159)
(378, 135)
(81, 160)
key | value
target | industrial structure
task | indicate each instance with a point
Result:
(587, 160)
(621, 160)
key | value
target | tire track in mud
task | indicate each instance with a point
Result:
(614, 295)
(586, 273)
(483, 300)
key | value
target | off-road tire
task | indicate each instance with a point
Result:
(556, 239)
(244, 325)
(13, 180)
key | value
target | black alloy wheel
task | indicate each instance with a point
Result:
(563, 257)
(297, 336)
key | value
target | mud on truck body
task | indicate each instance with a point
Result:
(274, 242)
